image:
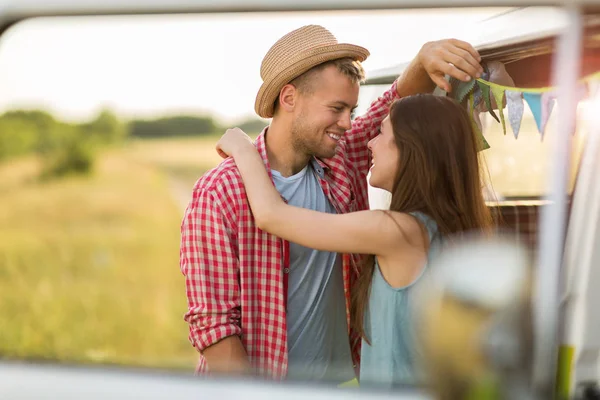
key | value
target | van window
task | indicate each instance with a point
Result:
(515, 168)
(519, 167)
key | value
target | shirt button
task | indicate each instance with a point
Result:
(286, 270)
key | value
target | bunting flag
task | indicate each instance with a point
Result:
(541, 105)
(548, 100)
(541, 101)
(485, 93)
(461, 90)
(514, 103)
(534, 100)
(476, 122)
(498, 94)
(473, 113)
(475, 94)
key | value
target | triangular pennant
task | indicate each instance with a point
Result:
(547, 104)
(485, 92)
(514, 104)
(534, 100)
(476, 123)
(471, 111)
(498, 93)
(460, 89)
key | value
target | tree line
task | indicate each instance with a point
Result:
(71, 147)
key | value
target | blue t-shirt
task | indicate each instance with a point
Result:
(317, 330)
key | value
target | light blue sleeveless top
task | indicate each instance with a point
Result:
(390, 359)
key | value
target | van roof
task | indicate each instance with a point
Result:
(518, 33)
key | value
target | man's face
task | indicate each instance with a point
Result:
(324, 113)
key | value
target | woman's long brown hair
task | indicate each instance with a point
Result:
(438, 175)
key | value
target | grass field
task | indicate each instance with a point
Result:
(89, 266)
(183, 158)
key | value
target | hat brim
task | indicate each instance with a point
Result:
(269, 90)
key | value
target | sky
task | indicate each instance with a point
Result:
(147, 66)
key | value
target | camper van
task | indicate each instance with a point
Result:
(544, 191)
(519, 171)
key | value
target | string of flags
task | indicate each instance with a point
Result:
(540, 101)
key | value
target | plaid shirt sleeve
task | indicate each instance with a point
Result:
(365, 128)
(209, 262)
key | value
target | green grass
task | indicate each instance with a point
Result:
(185, 158)
(182, 160)
(89, 267)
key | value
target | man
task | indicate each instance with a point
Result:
(263, 306)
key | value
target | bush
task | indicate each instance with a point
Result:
(71, 152)
(16, 138)
(105, 128)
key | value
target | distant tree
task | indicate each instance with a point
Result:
(106, 128)
(182, 125)
(17, 137)
(188, 125)
(24, 131)
(63, 148)
(253, 125)
(41, 119)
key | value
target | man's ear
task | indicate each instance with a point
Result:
(288, 96)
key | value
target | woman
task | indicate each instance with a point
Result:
(426, 156)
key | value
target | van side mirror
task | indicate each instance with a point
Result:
(474, 320)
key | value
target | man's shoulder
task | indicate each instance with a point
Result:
(224, 180)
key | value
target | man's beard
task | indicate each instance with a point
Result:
(304, 139)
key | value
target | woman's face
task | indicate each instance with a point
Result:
(385, 157)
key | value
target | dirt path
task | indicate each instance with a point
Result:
(180, 191)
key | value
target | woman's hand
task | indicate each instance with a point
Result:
(233, 141)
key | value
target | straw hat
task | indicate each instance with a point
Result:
(294, 54)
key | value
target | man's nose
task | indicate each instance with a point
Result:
(345, 122)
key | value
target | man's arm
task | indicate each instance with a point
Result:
(208, 260)
(227, 356)
(428, 69)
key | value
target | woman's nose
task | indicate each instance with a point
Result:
(371, 143)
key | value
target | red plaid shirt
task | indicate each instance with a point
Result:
(236, 274)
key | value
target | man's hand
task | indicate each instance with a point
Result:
(450, 57)
(435, 60)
